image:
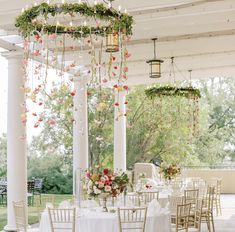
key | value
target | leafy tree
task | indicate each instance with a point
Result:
(3, 155)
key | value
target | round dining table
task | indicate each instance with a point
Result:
(93, 220)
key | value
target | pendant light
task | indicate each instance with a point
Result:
(112, 42)
(155, 64)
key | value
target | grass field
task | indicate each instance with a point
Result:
(32, 211)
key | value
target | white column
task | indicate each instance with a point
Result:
(120, 132)
(16, 146)
(80, 129)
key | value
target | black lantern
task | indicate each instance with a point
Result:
(155, 64)
(112, 42)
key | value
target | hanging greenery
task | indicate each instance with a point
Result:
(35, 19)
(187, 92)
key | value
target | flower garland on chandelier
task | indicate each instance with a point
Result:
(188, 92)
(191, 94)
(50, 32)
(28, 21)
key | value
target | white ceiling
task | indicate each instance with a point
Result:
(200, 34)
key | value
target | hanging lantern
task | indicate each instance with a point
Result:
(155, 64)
(112, 42)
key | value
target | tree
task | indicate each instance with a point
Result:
(3, 155)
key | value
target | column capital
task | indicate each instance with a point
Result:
(16, 54)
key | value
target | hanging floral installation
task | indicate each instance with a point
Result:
(75, 39)
(178, 97)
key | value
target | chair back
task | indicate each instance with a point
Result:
(133, 219)
(147, 197)
(134, 199)
(174, 201)
(209, 200)
(177, 184)
(43, 202)
(191, 196)
(182, 217)
(62, 219)
(20, 216)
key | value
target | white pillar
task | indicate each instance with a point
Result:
(120, 132)
(80, 128)
(16, 147)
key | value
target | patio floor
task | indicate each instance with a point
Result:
(226, 222)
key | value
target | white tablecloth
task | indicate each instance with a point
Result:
(108, 222)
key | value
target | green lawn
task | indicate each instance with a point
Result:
(32, 211)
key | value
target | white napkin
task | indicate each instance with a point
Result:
(64, 205)
(154, 208)
(166, 209)
(49, 205)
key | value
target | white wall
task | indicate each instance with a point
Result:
(227, 175)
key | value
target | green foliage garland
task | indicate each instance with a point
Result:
(28, 23)
(188, 92)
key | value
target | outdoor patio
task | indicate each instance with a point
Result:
(117, 115)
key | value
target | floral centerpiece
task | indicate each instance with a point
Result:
(105, 183)
(170, 171)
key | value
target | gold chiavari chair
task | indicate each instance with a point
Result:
(134, 198)
(177, 184)
(42, 202)
(196, 226)
(147, 197)
(218, 197)
(182, 218)
(133, 219)
(191, 196)
(20, 217)
(62, 219)
(174, 201)
(207, 209)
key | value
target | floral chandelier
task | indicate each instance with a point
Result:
(92, 35)
(187, 95)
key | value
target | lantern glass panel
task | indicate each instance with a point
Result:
(155, 69)
(112, 42)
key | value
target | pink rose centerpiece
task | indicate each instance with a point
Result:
(105, 183)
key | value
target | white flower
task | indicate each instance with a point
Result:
(107, 188)
(89, 191)
(90, 184)
(101, 185)
(96, 190)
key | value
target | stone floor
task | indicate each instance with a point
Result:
(226, 222)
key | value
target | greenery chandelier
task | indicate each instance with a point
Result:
(35, 19)
(160, 91)
(80, 40)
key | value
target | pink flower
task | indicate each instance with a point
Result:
(127, 54)
(105, 80)
(37, 53)
(125, 69)
(88, 174)
(51, 122)
(52, 36)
